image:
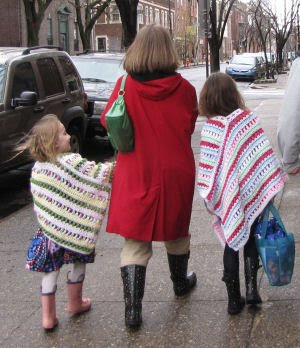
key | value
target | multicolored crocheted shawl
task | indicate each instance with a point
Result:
(238, 174)
(70, 199)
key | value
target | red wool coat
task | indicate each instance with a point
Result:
(153, 186)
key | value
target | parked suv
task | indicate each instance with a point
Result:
(99, 73)
(34, 82)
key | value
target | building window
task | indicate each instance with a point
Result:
(49, 31)
(76, 37)
(172, 20)
(140, 14)
(115, 15)
(157, 19)
(147, 14)
(63, 32)
(101, 44)
(151, 16)
(166, 19)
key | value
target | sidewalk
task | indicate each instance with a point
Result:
(199, 320)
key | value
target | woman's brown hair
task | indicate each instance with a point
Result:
(151, 51)
(219, 96)
(41, 140)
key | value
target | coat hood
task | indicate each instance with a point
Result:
(158, 89)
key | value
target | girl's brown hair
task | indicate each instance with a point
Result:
(219, 96)
(151, 51)
(41, 140)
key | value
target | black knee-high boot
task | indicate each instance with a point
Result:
(251, 265)
(236, 302)
(182, 282)
(231, 278)
(133, 277)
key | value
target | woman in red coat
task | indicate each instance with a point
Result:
(153, 185)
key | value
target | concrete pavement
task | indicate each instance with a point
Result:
(199, 320)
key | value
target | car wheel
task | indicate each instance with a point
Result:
(76, 139)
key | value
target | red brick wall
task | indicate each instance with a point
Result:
(10, 31)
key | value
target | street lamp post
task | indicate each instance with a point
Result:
(205, 11)
(298, 33)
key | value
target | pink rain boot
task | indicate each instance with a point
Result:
(49, 320)
(77, 304)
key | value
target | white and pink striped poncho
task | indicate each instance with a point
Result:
(238, 174)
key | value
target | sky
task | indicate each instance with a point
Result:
(278, 6)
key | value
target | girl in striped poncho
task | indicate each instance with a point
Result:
(70, 196)
(238, 175)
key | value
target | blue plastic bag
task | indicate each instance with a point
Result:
(276, 247)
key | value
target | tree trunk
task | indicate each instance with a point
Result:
(34, 19)
(128, 13)
(31, 24)
(214, 52)
(86, 40)
(279, 57)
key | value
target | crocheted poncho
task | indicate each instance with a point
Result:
(238, 174)
(70, 199)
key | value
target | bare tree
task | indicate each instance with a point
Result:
(92, 10)
(259, 10)
(34, 12)
(218, 23)
(128, 13)
(282, 31)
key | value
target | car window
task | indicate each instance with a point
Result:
(2, 81)
(50, 77)
(71, 75)
(243, 60)
(23, 80)
(107, 70)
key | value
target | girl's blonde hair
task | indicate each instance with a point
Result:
(41, 140)
(219, 96)
(151, 51)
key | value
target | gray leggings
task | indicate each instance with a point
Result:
(49, 281)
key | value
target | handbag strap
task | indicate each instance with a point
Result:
(270, 208)
(122, 87)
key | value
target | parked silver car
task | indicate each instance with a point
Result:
(99, 73)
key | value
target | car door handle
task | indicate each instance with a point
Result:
(66, 100)
(39, 109)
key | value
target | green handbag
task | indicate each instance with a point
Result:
(119, 126)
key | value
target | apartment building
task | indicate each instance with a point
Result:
(59, 26)
(108, 29)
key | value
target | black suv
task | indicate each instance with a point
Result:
(34, 82)
(99, 73)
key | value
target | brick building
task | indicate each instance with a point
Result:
(186, 28)
(58, 27)
(10, 23)
(108, 29)
(239, 23)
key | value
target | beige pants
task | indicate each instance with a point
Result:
(137, 252)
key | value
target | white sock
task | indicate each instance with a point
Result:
(76, 275)
(49, 283)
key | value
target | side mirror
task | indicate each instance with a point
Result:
(27, 98)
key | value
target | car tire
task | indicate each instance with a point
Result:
(76, 139)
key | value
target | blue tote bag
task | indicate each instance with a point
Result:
(276, 247)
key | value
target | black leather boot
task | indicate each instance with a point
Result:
(182, 282)
(251, 267)
(134, 283)
(236, 302)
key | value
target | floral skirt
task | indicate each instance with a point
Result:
(44, 255)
